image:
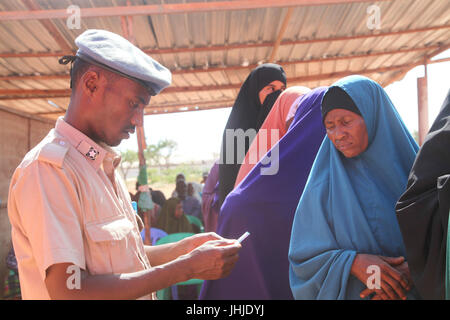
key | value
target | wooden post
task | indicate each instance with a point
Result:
(147, 214)
(127, 30)
(422, 96)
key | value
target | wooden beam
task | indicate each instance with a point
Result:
(35, 77)
(37, 93)
(191, 105)
(52, 54)
(280, 36)
(438, 60)
(212, 105)
(240, 45)
(420, 61)
(50, 27)
(25, 114)
(311, 60)
(175, 8)
(239, 67)
(17, 94)
(162, 110)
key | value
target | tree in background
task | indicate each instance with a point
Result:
(162, 150)
(166, 148)
(154, 154)
(129, 157)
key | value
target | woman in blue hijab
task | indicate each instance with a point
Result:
(345, 241)
(264, 204)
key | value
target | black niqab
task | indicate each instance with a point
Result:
(247, 113)
(422, 210)
(269, 101)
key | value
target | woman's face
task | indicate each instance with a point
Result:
(271, 87)
(178, 210)
(347, 130)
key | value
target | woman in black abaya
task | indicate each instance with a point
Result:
(422, 210)
(253, 103)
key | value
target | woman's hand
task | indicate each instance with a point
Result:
(394, 277)
(403, 268)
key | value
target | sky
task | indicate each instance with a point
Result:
(198, 134)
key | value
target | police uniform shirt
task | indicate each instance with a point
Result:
(66, 205)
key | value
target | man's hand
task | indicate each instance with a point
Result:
(208, 260)
(192, 242)
(213, 259)
(165, 253)
(394, 282)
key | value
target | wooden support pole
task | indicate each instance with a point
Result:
(280, 36)
(127, 32)
(422, 96)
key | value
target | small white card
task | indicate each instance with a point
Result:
(242, 238)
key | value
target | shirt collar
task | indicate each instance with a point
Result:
(94, 153)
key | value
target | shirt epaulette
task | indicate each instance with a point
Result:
(54, 152)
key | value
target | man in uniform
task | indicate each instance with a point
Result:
(74, 230)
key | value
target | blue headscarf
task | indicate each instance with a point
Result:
(348, 205)
(264, 205)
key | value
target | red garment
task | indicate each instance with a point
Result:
(277, 119)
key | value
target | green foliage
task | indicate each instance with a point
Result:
(153, 155)
(161, 150)
(167, 175)
(128, 158)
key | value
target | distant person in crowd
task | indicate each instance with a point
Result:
(422, 210)
(345, 222)
(69, 210)
(273, 129)
(158, 197)
(210, 199)
(12, 284)
(253, 103)
(172, 218)
(265, 206)
(179, 177)
(135, 197)
(204, 177)
(197, 187)
(191, 205)
(197, 190)
(181, 190)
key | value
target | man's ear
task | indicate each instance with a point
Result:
(90, 82)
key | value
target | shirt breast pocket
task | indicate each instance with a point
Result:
(110, 246)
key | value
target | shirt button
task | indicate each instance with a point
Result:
(62, 143)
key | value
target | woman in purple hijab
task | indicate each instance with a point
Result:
(264, 204)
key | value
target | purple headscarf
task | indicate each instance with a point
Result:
(265, 206)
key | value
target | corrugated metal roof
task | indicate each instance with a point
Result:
(211, 51)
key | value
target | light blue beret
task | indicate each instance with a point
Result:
(113, 52)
